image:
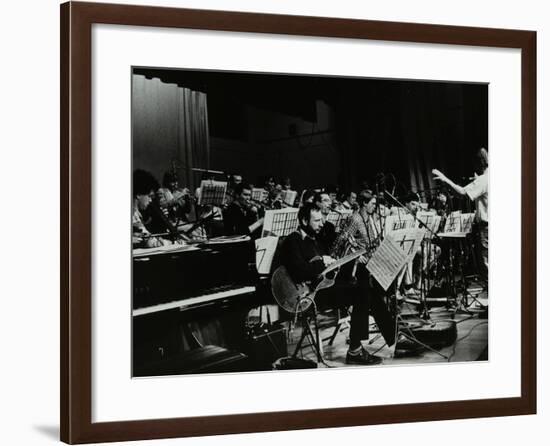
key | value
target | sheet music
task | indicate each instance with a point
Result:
(466, 221)
(280, 222)
(386, 262)
(340, 218)
(408, 240)
(289, 196)
(259, 194)
(430, 220)
(265, 252)
(212, 192)
(453, 222)
(398, 222)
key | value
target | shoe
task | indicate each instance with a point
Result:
(362, 358)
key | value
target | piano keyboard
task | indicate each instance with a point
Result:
(205, 298)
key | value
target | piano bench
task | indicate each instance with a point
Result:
(206, 359)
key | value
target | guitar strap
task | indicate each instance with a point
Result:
(366, 228)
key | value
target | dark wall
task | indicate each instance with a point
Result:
(408, 128)
(320, 130)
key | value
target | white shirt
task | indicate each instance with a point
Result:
(477, 190)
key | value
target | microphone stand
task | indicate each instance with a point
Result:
(200, 222)
(378, 209)
(424, 313)
(173, 231)
(401, 327)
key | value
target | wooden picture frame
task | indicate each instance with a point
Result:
(76, 221)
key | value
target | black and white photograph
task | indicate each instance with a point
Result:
(286, 221)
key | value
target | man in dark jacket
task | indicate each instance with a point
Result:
(305, 258)
(241, 213)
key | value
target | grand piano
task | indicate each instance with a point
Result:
(190, 305)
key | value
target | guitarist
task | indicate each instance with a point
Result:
(305, 258)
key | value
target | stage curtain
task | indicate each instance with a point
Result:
(194, 145)
(169, 128)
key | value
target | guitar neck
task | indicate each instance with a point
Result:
(344, 260)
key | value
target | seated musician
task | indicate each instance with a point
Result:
(382, 209)
(287, 183)
(274, 198)
(440, 204)
(349, 202)
(332, 192)
(269, 183)
(412, 203)
(174, 201)
(241, 213)
(308, 195)
(144, 187)
(327, 233)
(234, 180)
(305, 258)
(425, 255)
(441, 207)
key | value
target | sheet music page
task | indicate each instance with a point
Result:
(408, 240)
(344, 219)
(339, 219)
(386, 262)
(265, 252)
(289, 197)
(453, 222)
(429, 220)
(259, 194)
(466, 221)
(212, 192)
(334, 218)
(280, 222)
(398, 222)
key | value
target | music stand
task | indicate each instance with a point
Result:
(265, 253)
(431, 221)
(289, 197)
(398, 222)
(280, 222)
(258, 194)
(456, 232)
(419, 224)
(339, 218)
(393, 254)
(212, 193)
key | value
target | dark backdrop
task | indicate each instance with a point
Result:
(321, 130)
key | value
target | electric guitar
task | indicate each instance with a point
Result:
(298, 297)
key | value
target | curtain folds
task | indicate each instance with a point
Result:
(169, 128)
(193, 140)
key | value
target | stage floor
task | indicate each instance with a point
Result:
(471, 342)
